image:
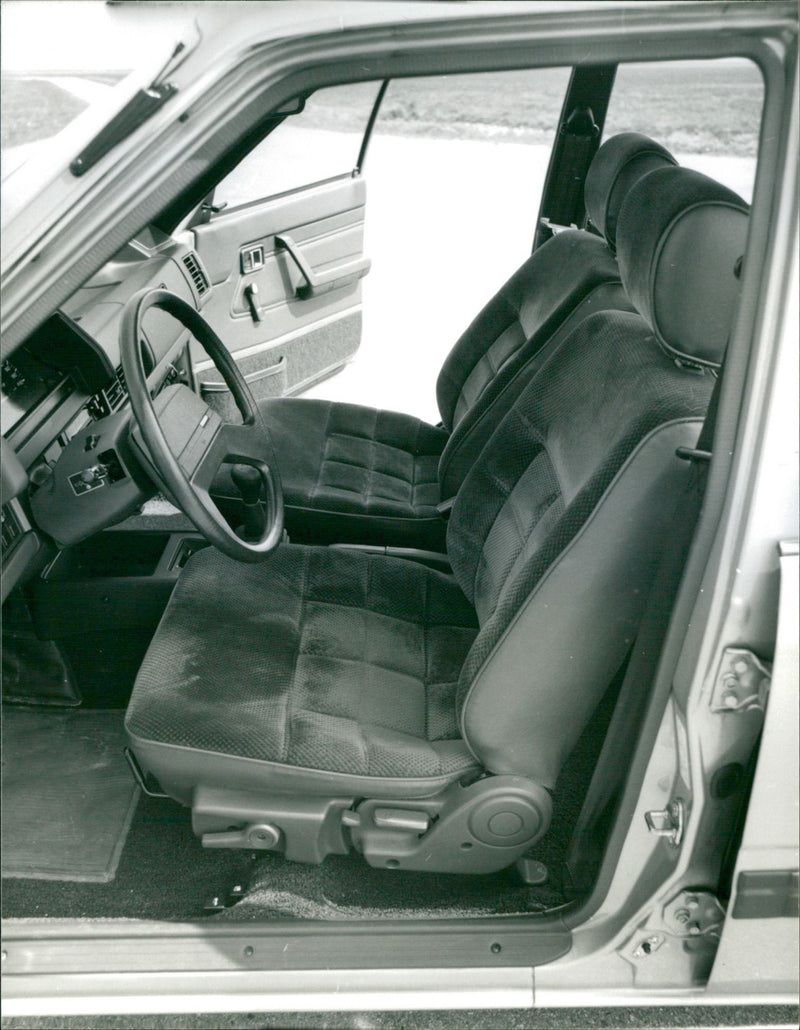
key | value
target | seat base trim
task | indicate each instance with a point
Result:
(475, 827)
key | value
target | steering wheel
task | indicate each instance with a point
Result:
(187, 441)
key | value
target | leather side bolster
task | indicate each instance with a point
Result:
(536, 691)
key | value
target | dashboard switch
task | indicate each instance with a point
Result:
(40, 473)
(88, 479)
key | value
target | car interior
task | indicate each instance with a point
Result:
(275, 657)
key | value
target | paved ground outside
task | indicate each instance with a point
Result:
(769, 1017)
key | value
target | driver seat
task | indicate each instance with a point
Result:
(329, 698)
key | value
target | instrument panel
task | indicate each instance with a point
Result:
(66, 378)
(25, 380)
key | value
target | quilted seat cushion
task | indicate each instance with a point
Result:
(328, 659)
(352, 460)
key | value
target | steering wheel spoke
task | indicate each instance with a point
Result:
(187, 441)
(201, 475)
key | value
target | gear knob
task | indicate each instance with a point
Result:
(247, 481)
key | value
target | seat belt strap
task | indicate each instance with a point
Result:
(701, 452)
(577, 146)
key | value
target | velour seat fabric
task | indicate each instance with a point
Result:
(341, 661)
(327, 669)
(353, 473)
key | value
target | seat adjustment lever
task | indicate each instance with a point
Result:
(259, 836)
(401, 819)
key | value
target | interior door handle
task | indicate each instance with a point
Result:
(251, 296)
(321, 282)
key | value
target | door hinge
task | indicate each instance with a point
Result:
(694, 914)
(676, 946)
(668, 822)
(742, 682)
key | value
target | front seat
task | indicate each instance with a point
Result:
(329, 697)
(352, 473)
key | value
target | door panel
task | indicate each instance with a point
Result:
(286, 278)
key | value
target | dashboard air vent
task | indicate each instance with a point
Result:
(108, 400)
(11, 528)
(117, 392)
(197, 272)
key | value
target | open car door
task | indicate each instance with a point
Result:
(281, 242)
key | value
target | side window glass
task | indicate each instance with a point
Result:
(707, 113)
(457, 164)
(321, 142)
(455, 170)
(469, 143)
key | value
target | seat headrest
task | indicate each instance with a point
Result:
(619, 163)
(681, 239)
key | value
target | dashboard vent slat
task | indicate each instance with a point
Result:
(197, 273)
(111, 398)
(116, 393)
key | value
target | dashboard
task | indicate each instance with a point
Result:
(67, 467)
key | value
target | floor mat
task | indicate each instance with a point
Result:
(68, 795)
(164, 873)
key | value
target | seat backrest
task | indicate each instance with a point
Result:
(562, 282)
(557, 530)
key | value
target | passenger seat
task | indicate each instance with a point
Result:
(357, 474)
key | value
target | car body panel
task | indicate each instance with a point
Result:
(770, 840)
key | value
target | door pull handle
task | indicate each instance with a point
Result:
(316, 283)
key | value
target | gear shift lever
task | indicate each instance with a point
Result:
(247, 481)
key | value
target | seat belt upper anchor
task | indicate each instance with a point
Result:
(692, 454)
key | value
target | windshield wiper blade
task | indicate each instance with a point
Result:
(139, 108)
